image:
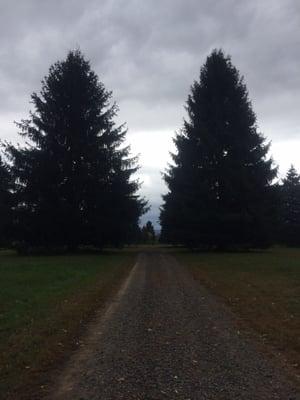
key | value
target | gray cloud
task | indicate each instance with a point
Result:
(149, 53)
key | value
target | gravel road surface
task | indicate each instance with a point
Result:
(165, 337)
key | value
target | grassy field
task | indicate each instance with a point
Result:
(262, 288)
(44, 302)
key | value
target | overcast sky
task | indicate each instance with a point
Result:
(148, 52)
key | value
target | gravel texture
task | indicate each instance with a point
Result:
(165, 337)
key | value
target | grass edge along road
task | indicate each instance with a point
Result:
(44, 305)
(263, 290)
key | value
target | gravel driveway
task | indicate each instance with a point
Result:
(165, 337)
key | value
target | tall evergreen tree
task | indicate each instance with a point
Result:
(73, 178)
(5, 204)
(290, 216)
(220, 181)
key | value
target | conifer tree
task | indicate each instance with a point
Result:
(219, 184)
(5, 204)
(74, 177)
(148, 233)
(290, 216)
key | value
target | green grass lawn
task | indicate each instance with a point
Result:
(43, 304)
(262, 288)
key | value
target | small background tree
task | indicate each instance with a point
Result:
(148, 233)
(5, 204)
(290, 211)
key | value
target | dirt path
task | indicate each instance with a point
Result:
(166, 337)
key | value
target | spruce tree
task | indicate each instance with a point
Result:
(74, 177)
(219, 184)
(5, 204)
(290, 215)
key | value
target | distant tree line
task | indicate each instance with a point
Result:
(222, 193)
(72, 183)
